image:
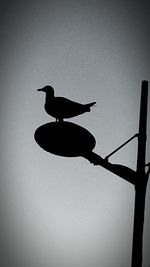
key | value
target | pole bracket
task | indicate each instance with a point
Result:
(118, 148)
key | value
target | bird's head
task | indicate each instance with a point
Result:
(47, 89)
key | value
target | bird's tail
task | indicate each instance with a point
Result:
(90, 105)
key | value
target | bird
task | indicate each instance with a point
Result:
(62, 108)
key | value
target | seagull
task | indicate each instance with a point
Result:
(60, 107)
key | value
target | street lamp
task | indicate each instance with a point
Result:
(70, 140)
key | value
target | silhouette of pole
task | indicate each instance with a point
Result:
(141, 182)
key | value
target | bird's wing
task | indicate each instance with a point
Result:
(65, 103)
(62, 107)
(67, 108)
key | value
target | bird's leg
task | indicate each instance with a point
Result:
(60, 120)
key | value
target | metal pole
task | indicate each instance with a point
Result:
(141, 182)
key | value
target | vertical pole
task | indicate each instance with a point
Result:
(141, 183)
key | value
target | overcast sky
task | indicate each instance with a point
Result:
(65, 212)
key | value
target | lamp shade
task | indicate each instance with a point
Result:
(64, 139)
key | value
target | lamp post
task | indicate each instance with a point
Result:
(141, 181)
(71, 140)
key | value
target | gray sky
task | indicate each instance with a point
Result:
(65, 212)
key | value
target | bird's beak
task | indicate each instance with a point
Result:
(40, 89)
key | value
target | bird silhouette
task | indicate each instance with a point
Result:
(61, 107)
